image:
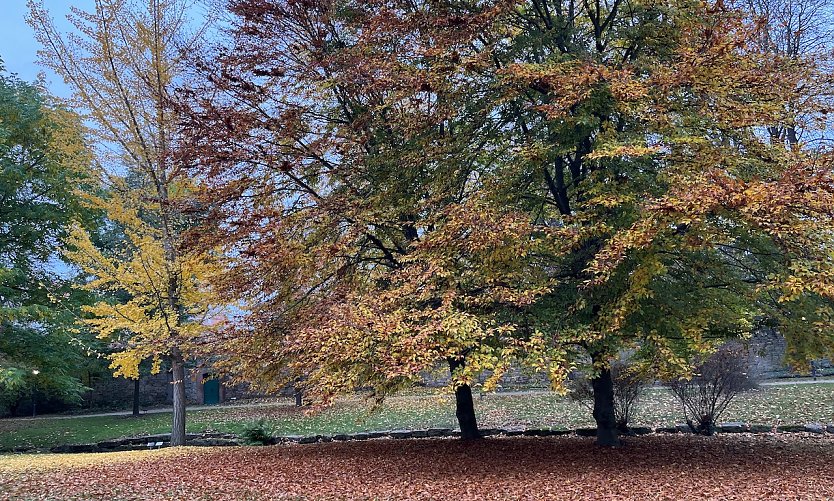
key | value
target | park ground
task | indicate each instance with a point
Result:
(787, 466)
(770, 405)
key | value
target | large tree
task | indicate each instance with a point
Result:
(122, 62)
(337, 158)
(640, 128)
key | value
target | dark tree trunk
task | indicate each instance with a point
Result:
(603, 386)
(299, 397)
(136, 397)
(793, 139)
(178, 425)
(464, 406)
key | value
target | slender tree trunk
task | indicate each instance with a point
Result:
(136, 397)
(464, 406)
(299, 397)
(177, 361)
(603, 386)
(178, 425)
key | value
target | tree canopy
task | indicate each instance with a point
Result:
(43, 160)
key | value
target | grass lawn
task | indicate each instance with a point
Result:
(795, 404)
(649, 467)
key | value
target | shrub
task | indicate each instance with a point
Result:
(258, 433)
(716, 380)
(628, 386)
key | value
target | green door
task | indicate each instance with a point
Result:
(211, 392)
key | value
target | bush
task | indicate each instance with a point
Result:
(716, 380)
(258, 433)
(628, 386)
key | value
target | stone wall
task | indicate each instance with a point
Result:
(154, 390)
(767, 355)
(117, 393)
(766, 348)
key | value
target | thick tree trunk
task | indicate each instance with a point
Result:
(464, 407)
(136, 397)
(178, 425)
(603, 386)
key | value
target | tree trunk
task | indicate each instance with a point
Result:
(603, 386)
(178, 425)
(136, 397)
(464, 406)
(299, 400)
(793, 139)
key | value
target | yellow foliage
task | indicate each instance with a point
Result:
(170, 302)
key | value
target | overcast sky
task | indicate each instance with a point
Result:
(18, 47)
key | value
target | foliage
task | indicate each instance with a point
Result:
(640, 133)
(715, 382)
(43, 158)
(140, 270)
(258, 433)
(367, 200)
(371, 157)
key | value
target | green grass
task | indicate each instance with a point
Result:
(797, 404)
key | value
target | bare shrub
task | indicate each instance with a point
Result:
(715, 382)
(628, 386)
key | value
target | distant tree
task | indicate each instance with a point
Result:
(797, 29)
(43, 159)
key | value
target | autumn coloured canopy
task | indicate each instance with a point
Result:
(349, 195)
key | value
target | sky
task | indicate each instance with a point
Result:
(18, 47)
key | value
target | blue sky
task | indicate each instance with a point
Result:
(18, 47)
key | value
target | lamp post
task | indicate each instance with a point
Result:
(35, 373)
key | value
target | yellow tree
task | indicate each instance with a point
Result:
(154, 324)
(122, 63)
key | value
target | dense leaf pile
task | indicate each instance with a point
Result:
(652, 467)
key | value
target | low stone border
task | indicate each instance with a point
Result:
(227, 439)
(735, 427)
(149, 442)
